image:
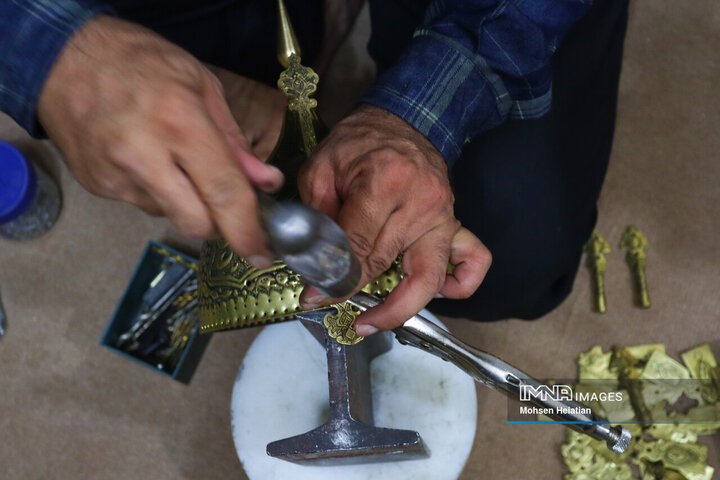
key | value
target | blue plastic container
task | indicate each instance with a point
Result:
(29, 199)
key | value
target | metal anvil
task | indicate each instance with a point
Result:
(348, 436)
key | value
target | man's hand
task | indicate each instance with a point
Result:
(387, 186)
(141, 120)
(259, 110)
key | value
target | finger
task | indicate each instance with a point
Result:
(265, 177)
(386, 248)
(425, 264)
(365, 212)
(141, 199)
(471, 261)
(164, 186)
(364, 216)
(205, 156)
(316, 185)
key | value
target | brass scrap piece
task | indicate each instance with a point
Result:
(666, 449)
(644, 351)
(629, 369)
(699, 360)
(685, 458)
(702, 366)
(664, 376)
(594, 364)
(588, 459)
(661, 366)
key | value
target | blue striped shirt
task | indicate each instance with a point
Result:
(32, 35)
(471, 65)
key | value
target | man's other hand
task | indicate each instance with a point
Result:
(141, 120)
(387, 186)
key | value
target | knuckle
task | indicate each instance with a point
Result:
(397, 169)
(195, 228)
(108, 185)
(178, 108)
(119, 151)
(213, 82)
(360, 244)
(465, 291)
(245, 245)
(223, 192)
(378, 263)
(435, 280)
(315, 179)
(180, 61)
(308, 178)
(435, 194)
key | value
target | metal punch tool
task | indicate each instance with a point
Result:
(497, 374)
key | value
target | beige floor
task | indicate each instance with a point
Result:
(71, 409)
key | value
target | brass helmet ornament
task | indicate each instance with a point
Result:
(234, 294)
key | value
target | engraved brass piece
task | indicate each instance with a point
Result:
(232, 293)
(339, 324)
(596, 248)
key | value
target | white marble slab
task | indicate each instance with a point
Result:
(281, 391)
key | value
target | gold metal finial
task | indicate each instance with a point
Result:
(287, 42)
(596, 248)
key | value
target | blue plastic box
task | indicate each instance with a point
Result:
(128, 308)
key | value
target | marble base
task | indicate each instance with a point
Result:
(281, 390)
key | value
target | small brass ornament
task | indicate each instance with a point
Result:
(596, 248)
(340, 324)
(633, 242)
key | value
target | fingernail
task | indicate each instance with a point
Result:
(272, 182)
(365, 330)
(259, 261)
(439, 295)
(311, 302)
